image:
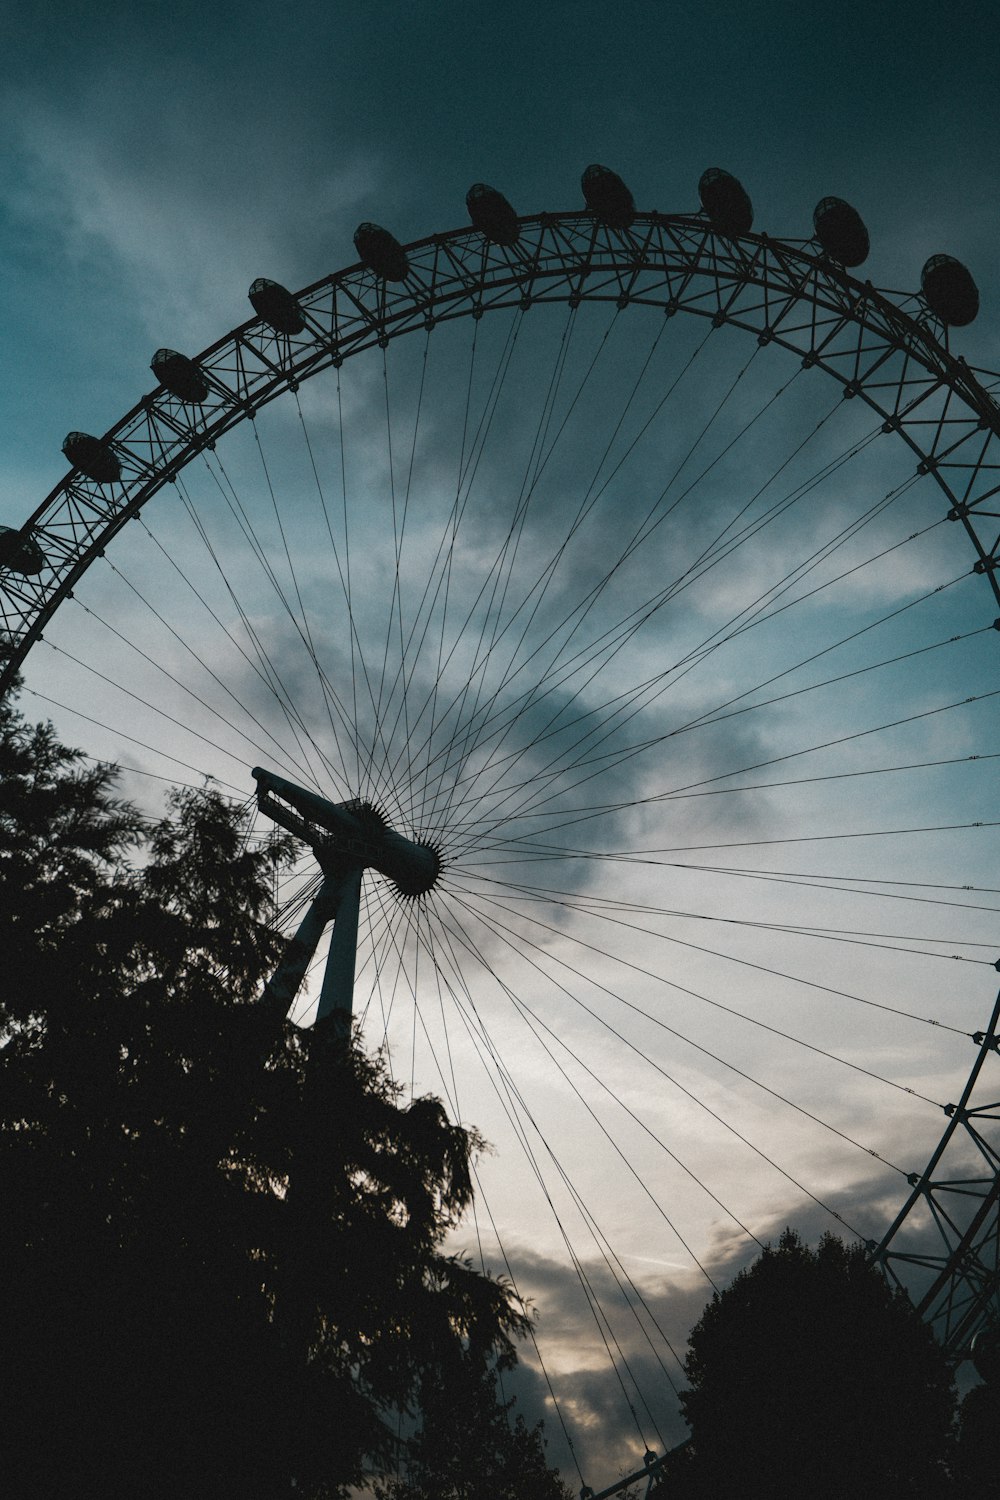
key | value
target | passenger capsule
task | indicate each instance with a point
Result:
(20, 553)
(179, 375)
(949, 290)
(92, 457)
(608, 197)
(492, 215)
(276, 305)
(381, 252)
(841, 231)
(726, 202)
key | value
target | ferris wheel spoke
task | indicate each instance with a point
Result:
(440, 576)
(597, 950)
(527, 850)
(615, 913)
(492, 644)
(537, 1027)
(695, 1099)
(301, 619)
(521, 1117)
(265, 667)
(435, 596)
(527, 491)
(493, 584)
(860, 885)
(714, 716)
(613, 909)
(653, 687)
(238, 758)
(335, 767)
(756, 1149)
(131, 739)
(438, 579)
(394, 628)
(811, 984)
(196, 656)
(558, 822)
(446, 548)
(513, 1105)
(385, 952)
(546, 674)
(204, 667)
(342, 565)
(535, 591)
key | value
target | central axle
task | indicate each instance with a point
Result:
(347, 839)
(347, 835)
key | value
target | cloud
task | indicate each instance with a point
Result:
(187, 243)
(603, 1412)
(155, 166)
(633, 936)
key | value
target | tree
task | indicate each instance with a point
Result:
(471, 1445)
(976, 1448)
(979, 1419)
(811, 1376)
(222, 1236)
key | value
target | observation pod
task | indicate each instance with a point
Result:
(179, 375)
(381, 252)
(492, 215)
(841, 231)
(608, 197)
(949, 290)
(92, 457)
(276, 305)
(20, 553)
(726, 202)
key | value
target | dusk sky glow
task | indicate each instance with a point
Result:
(700, 900)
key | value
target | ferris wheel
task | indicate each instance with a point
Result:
(617, 590)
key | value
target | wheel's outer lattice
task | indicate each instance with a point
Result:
(892, 354)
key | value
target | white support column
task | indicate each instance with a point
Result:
(336, 998)
(284, 983)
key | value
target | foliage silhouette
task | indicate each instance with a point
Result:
(809, 1375)
(222, 1236)
(470, 1445)
(975, 1464)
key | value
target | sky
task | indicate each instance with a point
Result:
(157, 160)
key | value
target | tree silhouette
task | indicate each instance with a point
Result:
(976, 1449)
(222, 1236)
(810, 1376)
(471, 1445)
(979, 1419)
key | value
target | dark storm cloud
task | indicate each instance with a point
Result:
(157, 164)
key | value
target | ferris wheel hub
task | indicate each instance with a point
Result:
(349, 835)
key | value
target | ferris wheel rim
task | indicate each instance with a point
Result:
(164, 438)
(594, 264)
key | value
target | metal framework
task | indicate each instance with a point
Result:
(887, 350)
(953, 1273)
(893, 356)
(347, 838)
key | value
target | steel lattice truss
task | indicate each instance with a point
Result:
(893, 356)
(954, 1275)
(889, 351)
